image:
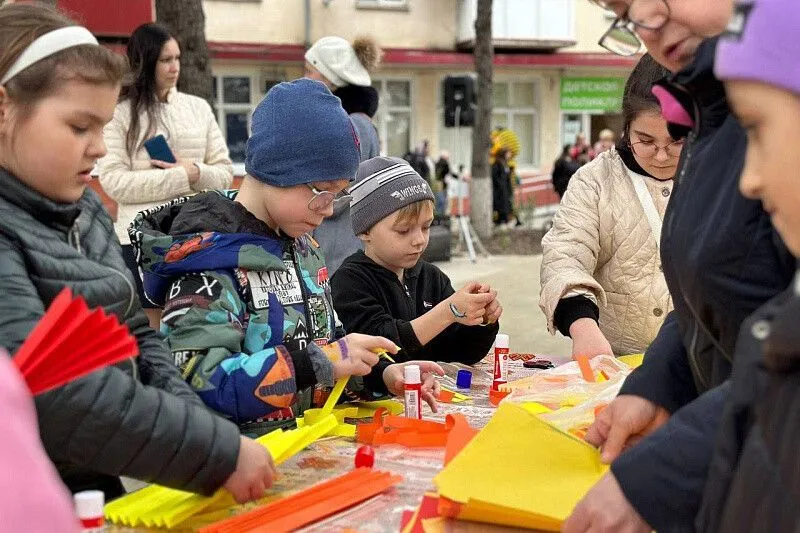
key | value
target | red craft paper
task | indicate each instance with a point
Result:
(428, 508)
(407, 516)
(71, 341)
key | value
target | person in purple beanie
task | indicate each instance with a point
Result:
(754, 478)
(722, 260)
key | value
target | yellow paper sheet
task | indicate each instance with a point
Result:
(520, 471)
(634, 360)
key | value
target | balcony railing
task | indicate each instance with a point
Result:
(522, 24)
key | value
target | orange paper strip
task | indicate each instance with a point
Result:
(460, 435)
(586, 367)
(310, 505)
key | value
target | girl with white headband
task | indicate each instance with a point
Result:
(58, 89)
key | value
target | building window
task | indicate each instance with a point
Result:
(382, 4)
(393, 118)
(514, 106)
(234, 98)
(233, 104)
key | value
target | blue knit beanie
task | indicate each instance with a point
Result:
(301, 134)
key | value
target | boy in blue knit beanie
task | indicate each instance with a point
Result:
(247, 302)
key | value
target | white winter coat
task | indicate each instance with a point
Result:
(192, 133)
(601, 245)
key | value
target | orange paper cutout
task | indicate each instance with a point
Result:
(409, 432)
(460, 435)
(495, 396)
(446, 396)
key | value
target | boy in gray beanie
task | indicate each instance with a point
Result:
(386, 290)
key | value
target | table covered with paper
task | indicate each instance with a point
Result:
(525, 468)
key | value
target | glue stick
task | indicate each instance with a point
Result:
(89, 508)
(413, 392)
(500, 360)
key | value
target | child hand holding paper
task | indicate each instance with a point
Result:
(254, 472)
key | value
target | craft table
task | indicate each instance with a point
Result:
(330, 457)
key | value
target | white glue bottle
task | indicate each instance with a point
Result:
(413, 391)
(89, 508)
(500, 360)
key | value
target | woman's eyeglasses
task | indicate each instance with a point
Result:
(648, 149)
(322, 199)
(621, 38)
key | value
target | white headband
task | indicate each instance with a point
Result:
(47, 45)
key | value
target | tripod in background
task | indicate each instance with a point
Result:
(466, 233)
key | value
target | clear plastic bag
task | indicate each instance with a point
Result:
(572, 401)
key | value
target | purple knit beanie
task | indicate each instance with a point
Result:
(762, 43)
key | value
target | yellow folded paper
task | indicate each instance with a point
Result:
(349, 411)
(520, 471)
(157, 506)
(536, 408)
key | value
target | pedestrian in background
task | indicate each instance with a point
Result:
(151, 105)
(345, 69)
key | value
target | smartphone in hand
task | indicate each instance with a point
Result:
(158, 149)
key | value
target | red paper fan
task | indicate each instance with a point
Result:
(71, 341)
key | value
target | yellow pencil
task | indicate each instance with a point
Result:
(382, 353)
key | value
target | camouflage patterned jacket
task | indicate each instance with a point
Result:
(241, 305)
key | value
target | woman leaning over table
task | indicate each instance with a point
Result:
(602, 282)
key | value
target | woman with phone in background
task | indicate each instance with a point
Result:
(162, 144)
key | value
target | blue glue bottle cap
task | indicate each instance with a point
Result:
(464, 379)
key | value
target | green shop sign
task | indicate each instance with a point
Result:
(592, 94)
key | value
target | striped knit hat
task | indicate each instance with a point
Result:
(384, 185)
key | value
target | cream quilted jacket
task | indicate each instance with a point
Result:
(192, 133)
(601, 245)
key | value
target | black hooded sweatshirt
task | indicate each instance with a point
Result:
(370, 299)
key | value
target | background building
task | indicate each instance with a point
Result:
(551, 79)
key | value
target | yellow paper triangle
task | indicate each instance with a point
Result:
(520, 471)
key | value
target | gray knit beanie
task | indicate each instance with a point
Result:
(384, 185)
